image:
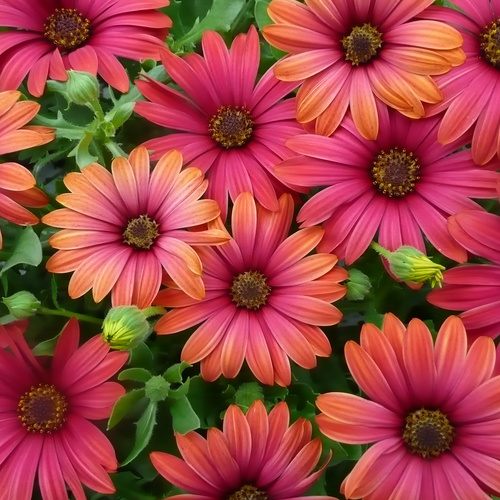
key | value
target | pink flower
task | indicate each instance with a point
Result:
(50, 36)
(227, 126)
(402, 185)
(45, 415)
(433, 414)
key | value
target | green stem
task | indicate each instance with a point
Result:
(381, 250)
(69, 314)
(153, 311)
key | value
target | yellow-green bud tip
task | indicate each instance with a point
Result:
(22, 304)
(82, 87)
(124, 327)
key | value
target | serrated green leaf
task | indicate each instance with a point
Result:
(247, 394)
(184, 418)
(27, 250)
(63, 128)
(123, 406)
(173, 374)
(135, 374)
(81, 151)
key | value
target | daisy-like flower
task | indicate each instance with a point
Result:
(46, 413)
(47, 38)
(255, 457)
(354, 54)
(433, 413)
(230, 128)
(402, 184)
(17, 184)
(472, 92)
(266, 298)
(121, 228)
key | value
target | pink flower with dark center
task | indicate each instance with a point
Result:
(47, 38)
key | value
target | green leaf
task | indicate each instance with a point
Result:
(81, 151)
(181, 391)
(47, 347)
(145, 427)
(184, 418)
(123, 406)
(27, 250)
(142, 356)
(173, 374)
(247, 394)
(135, 374)
(63, 128)
(260, 13)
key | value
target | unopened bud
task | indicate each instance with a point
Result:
(22, 304)
(157, 388)
(358, 285)
(82, 87)
(124, 327)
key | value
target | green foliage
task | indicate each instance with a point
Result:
(27, 250)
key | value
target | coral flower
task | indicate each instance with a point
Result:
(46, 413)
(230, 128)
(122, 228)
(17, 184)
(256, 456)
(433, 414)
(266, 298)
(472, 92)
(402, 185)
(47, 38)
(354, 54)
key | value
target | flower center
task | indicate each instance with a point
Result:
(248, 492)
(250, 290)
(362, 44)
(141, 232)
(67, 28)
(395, 173)
(231, 127)
(490, 43)
(42, 409)
(428, 433)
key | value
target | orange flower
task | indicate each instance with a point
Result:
(121, 228)
(16, 182)
(360, 54)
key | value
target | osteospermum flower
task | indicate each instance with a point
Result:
(47, 38)
(46, 413)
(17, 184)
(433, 413)
(228, 126)
(352, 55)
(472, 92)
(123, 227)
(266, 298)
(402, 185)
(256, 457)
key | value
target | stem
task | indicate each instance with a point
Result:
(153, 311)
(381, 250)
(69, 314)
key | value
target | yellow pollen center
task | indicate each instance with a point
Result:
(141, 232)
(490, 43)
(395, 173)
(250, 290)
(231, 127)
(248, 492)
(67, 28)
(428, 433)
(362, 44)
(42, 409)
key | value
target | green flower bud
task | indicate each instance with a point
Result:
(82, 87)
(157, 388)
(124, 327)
(22, 304)
(358, 285)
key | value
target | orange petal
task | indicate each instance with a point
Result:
(363, 107)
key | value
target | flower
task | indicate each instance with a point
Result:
(433, 413)
(400, 185)
(122, 227)
(232, 129)
(472, 91)
(266, 298)
(355, 55)
(17, 184)
(46, 413)
(257, 456)
(47, 38)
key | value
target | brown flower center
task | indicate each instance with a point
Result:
(362, 44)
(141, 232)
(250, 290)
(428, 433)
(42, 409)
(231, 127)
(490, 43)
(395, 173)
(248, 492)
(67, 28)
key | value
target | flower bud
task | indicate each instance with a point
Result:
(124, 327)
(358, 285)
(157, 388)
(22, 304)
(82, 87)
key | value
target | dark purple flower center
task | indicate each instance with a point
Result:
(250, 290)
(141, 232)
(395, 173)
(362, 44)
(42, 409)
(490, 43)
(428, 433)
(231, 127)
(67, 28)
(248, 492)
